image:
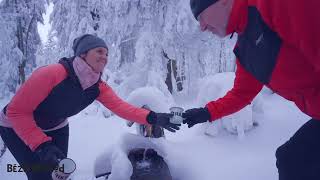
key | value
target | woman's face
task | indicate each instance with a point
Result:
(96, 58)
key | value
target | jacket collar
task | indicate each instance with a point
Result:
(238, 17)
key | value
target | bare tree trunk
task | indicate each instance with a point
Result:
(222, 59)
(172, 79)
(20, 45)
(23, 43)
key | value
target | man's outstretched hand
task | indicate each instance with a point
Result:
(195, 116)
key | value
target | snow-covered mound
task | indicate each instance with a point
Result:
(152, 97)
(116, 160)
(215, 87)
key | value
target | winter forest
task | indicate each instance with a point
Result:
(157, 58)
(144, 37)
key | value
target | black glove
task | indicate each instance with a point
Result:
(162, 120)
(49, 154)
(195, 116)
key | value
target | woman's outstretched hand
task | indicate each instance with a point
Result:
(162, 120)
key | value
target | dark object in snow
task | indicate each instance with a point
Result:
(148, 165)
(151, 131)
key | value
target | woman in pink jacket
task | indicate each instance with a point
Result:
(34, 124)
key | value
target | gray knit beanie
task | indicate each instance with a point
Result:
(197, 6)
(86, 42)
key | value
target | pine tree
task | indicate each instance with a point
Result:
(73, 18)
(139, 33)
(21, 41)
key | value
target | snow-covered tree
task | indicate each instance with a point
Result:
(48, 53)
(73, 18)
(145, 37)
(20, 39)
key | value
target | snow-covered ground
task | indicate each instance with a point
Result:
(190, 154)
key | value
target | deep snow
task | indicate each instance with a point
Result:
(190, 154)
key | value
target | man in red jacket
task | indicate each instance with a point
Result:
(278, 46)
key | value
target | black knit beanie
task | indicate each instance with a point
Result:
(86, 42)
(197, 6)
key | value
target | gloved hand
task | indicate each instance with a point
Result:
(195, 116)
(162, 120)
(49, 154)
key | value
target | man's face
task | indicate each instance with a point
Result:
(96, 58)
(215, 18)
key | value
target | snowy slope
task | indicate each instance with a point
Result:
(191, 155)
(228, 158)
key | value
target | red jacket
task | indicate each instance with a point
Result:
(278, 46)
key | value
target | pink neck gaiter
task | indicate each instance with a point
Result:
(84, 72)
